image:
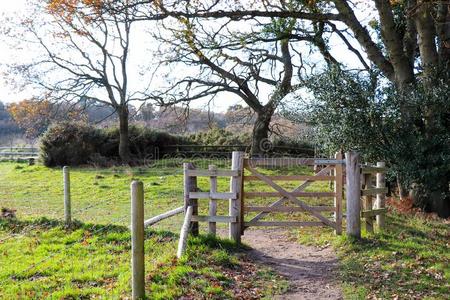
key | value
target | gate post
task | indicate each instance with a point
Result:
(381, 198)
(338, 187)
(190, 185)
(212, 202)
(237, 162)
(353, 171)
(368, 203)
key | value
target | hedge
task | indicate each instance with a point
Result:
(77, 143)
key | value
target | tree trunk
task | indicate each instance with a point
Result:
(427, 37)
(260, 136)
(124, 141)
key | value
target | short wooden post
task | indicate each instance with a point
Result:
(368, 203)
(338, 190)
(237, 162)
(184, 232)
(212, 202)
(381, 198)
(137, 240)
(67, 204)
(190, 185)
(353, 171)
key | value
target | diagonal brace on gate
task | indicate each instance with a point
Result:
(287, 195)
(283, 199)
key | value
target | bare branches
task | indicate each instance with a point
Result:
(363, 37)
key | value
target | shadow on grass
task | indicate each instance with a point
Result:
(409, 257)
(16, 226)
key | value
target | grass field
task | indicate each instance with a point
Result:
(92, 258)
(86, 261)
(102, 196)
(43, 259)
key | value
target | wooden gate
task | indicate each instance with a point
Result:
(331, 171)
(241, 203)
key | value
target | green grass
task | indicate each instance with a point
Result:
(43, 259)
(103, 195)
(98, 195)
(410, 259)
(86, 261)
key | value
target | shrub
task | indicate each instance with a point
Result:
(278, 145)
(70, 144)
(219, 137)
(144, 142)
(77, 144)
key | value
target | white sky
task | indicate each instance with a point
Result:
(9, 93)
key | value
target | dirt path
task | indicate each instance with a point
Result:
(309, 270)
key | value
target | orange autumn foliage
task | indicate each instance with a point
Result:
(34, 116)
(67, 8)
(31, 115)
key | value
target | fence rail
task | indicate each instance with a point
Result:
(19, 152)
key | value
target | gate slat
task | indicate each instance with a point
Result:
(283, 223)
(292, 178)
(292, 198)
(286, 208)
(294, 194)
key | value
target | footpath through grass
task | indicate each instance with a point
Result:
(44, 259)
(410, 259)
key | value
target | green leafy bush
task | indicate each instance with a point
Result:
(408, 129)
(77, 144)
(220, 137)
(70, 144)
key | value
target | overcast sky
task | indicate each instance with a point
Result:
(8, 54)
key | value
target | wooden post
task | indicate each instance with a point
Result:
(331, 183)
(338, 190)
(190, 185)
(137, 240)
(368, 203)
(353, 171)
(184, 232)
(237, 162)
(212, 202)
(381, 198)
(67, 204)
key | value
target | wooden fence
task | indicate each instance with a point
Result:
(359, 187)
(19, 152)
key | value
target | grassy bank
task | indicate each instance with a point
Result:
(45, 260)
(410, 259)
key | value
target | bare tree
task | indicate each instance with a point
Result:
(86, 47)
(407, 41)
(259, 62)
